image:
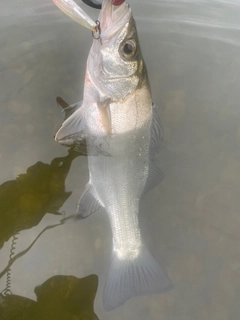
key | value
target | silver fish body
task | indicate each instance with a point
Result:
(122, 130)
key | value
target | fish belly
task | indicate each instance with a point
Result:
(118, 181)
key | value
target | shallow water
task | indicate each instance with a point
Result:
(191, 221)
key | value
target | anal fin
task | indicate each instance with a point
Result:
(155, 176)
(88, 203)
(156, 132)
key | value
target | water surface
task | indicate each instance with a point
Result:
(191, 221)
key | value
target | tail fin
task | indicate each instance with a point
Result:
(126, 278)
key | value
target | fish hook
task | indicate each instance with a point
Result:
(97, 34)
(93, 4)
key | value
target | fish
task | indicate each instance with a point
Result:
(123, 132)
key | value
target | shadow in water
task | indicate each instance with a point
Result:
(60, 297)
(41, 190)
(23, 203)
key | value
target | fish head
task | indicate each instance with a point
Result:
(115, 64)
(115, 67)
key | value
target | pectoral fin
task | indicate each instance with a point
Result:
(68, 110)
(105, 116)
(72, 129)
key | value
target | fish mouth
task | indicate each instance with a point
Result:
(114, 14)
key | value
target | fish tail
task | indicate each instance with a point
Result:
(139, 276)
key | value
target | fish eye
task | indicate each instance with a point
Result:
(128, 49)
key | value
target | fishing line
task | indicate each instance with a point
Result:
(93, 4)
(13, 258)
(7, 290)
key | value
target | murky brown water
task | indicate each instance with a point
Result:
(191, 221)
